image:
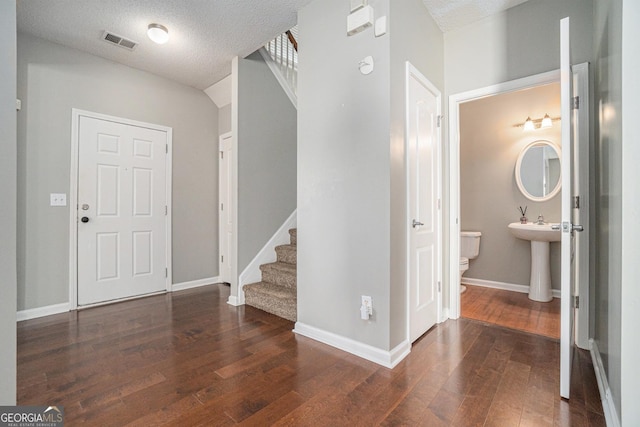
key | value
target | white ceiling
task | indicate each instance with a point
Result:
(453, 14)
(204, 34)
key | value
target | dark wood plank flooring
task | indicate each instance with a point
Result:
(512, 310)
(190, 359)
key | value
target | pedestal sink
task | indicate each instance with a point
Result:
(540, 236)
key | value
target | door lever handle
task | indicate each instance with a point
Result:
(566, 227)
(415, 223)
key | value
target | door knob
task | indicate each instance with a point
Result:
(415, 223)
(85, 219)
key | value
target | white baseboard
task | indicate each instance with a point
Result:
(194, 284)
(608, 406)
(502, 285)
(267, 254)
(388, 359)
(233, 300)
(34, 313)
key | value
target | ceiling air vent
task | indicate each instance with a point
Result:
(119, 40)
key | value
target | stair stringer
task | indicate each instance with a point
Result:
(277, 72)
(266, 255)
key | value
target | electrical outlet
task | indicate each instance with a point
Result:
(58, 199)
(367, 302)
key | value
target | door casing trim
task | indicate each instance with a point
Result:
(73, 195)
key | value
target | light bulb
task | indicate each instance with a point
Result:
(546, 122)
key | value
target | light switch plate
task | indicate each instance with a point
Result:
(380, 27)
(58, 199)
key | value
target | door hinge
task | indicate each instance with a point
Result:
(166, 272)
(576, 202)
(222, 154)
(221, 206)
(439, 286)
(439, 121)
(221, 258)
(166, 210)
(166, 148)
(576, 301)
(439, 204)
(575, 103)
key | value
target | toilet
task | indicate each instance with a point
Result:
(469, 249)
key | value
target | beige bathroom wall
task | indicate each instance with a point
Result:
(489, 195)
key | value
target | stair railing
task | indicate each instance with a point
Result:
(283, 51)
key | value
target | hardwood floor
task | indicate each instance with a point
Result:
(188, 358)
(512, 310)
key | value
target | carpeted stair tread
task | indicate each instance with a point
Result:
(272, 298)
(279, 273)
(293, 236)
(287, 253)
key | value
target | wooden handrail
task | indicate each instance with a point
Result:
(292, 39)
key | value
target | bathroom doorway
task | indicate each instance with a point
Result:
(487, 136)
(492, 136)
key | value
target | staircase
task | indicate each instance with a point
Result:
(277, 292)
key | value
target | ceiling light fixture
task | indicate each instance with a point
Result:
(158, 33)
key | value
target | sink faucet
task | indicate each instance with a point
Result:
(540, 220)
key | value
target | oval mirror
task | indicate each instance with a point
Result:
(538, 171)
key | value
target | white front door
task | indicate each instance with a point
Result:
(424, 189)
(226, 208)
(122, 208)
(568, 226)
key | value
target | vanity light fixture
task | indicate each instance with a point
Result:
(528, 124)
(158, 33)
(533, 124)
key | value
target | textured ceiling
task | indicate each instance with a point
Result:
(204, 34)
(452, 14)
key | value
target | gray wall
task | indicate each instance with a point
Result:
(489, 197)
(52, 80)
(8, 170)
(520, 42)
(630, 292)
(607, 39)
(266, 157)
(414, 37)
(343, 175)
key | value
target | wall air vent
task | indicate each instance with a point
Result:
(119, 40)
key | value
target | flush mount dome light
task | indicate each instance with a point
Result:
(158, 33)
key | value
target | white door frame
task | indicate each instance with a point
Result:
(411, 70)
(221, 227)
(73, 198)
(454, 181)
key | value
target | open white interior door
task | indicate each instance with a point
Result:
(567, 225)
(424, 190)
